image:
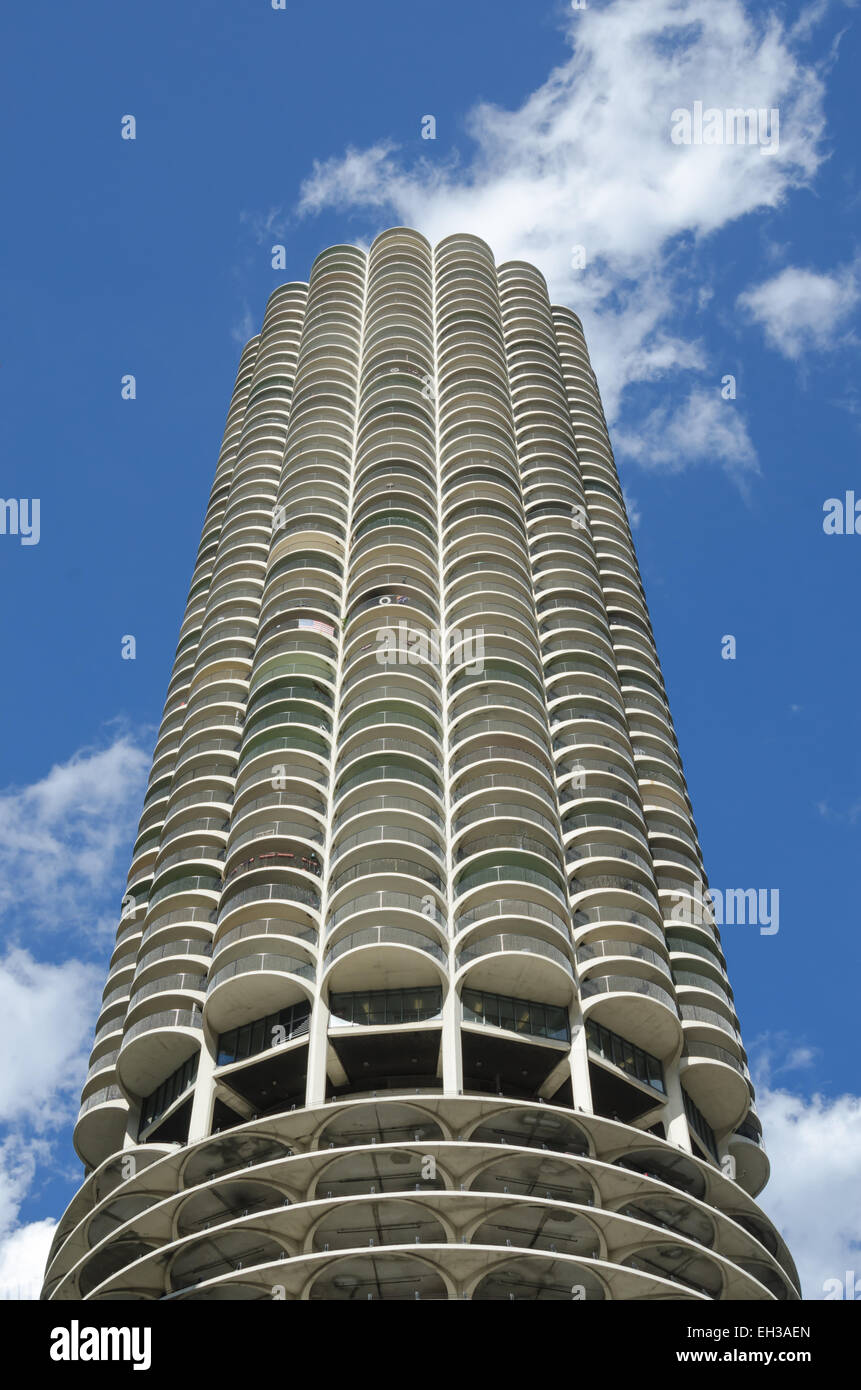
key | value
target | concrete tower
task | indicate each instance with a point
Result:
(414, 994)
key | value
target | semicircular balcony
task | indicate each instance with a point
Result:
(717, 1082)
(385, 610)
(287, 892)
(414, 871)
(498, 678)
(389, 835)
(696, 988)
(688, 946)
(745, 1146)
(511, 760)
(471, 730)
(245, 984)
(620, 995)
(495, 702)
(288, 669)
(602, 821)
(285, 739)
(418, 811)
(186, 885)
(496, 872)
(513, 915)
(281, 821)
(175, 988)
(594, 887)
(100, 1125)
(515, 963)
(299, 694)
(287, 715)
(706, 1024)
(592, 857)
(394, 659)
(365, 906)
(608, 955)
(199, 853)
(168, 955)
(395, 719)
(209, 786)
(396, 773)
(156, 1045)
(505, 815)
(383, 957)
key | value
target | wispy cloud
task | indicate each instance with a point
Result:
(63, 846)
(587, 160)
(265, 227)
(703, 427)
(60, 840)
(23, 1248)
(803, 310)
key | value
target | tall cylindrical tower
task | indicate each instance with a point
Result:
(416, 993)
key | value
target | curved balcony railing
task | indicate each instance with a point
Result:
(692, 1013)
(381, 901)
(270, 892)
(383, 936)
(246, 965)
(102, 1064)
(508, 873)
(694, 1048)
(168, 984)
(625, 885)
(603, 849)
(168, 1018)
(387, 803)
(628, 984)
(504, 942)
(102, 1097)
(372, 867)
(384, 833)
(514, 840)
(595, 950)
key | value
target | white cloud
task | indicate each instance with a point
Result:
(703, 427)
(48, 1012)
(814, 1193)
(60, 841)
(587, 160)
(23, 1255)
(60, 845)
(245, 328)
(264, 226)
(803, 310)
(23, 1248)
(635, 516)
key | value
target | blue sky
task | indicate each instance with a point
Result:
(302, 128)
